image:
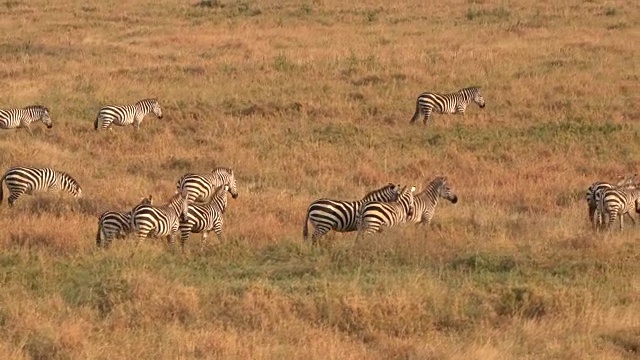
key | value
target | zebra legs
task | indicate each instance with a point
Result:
(14, 197)
(427, 115)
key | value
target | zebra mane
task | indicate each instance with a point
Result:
(150, 100)
(36, 107)
(222, 169)
(384, 188)
(435, 184)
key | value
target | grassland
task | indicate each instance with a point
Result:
(309, 99)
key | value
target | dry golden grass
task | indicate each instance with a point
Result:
(312, 99)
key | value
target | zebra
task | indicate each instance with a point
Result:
(122, 115)
(376, 214)
(22, 118)
(112, 224)
(28, 180)
(594, 195)
(425, 202)
(164, 220)
(452, 103)
(203, 218)
(200, 187)
(328, 214)
(618, 202)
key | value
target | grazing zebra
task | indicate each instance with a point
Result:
(122, 115)
(327, 214)
(594, 195)
(446, 103)
(114, 224)
(376, 214)
(28, 180)
(22, 118)
(425, 202)
(200, 187)
(203, 218)
(618, 202)
(164, 220)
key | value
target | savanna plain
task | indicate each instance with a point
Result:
(311, 99)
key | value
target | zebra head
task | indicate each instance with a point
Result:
(627, 181)
(40, 113)
(473, 93)
(229, 179)
(443, 190)
(180, 204)
(70, 184)
(155, 108)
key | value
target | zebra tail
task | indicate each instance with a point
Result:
(416, 115)
(99, 236)
(1, 191)
(305, 229)
(95, 123)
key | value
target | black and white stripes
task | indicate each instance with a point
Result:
(203, 218)
(200, 187)
(112, 224)
(159, 221)
(327, 214)
(616, 203)
(376, 214)
(22, 118)
(425, 202)
(122, 115)
(454, 103)
(28, 180)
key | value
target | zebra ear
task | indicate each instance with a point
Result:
(413, 188)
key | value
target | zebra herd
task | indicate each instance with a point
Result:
(200, 200)
(196, 207)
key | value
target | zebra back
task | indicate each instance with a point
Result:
(374, 215)
(328, 214)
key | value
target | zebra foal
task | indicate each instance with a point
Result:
(29, 180)
(22, 118)
(116, 224)
(328, 214)
(122, 115)
(200, 187)
(375, 215)
(425, 202)
(453, 103)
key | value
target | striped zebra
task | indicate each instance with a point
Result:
(618, 202)
(116, 224)
(594, 195)
(22, 118)
(376, 214)
(203, 218)
(164, 220)
(122, 115)
(327, 214)
(201, 187)
(28, 180)
(425, 202)
(454, 103)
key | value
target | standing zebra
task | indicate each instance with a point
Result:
(22, 118)
(114, 224)
(164, 220)
(28, 180)
(122, 115)
(594, 196)
(201, 187)
(446, 103)
(327, 214)
(425, 202)
(203, 218)
(618, 202)
(376, 214)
